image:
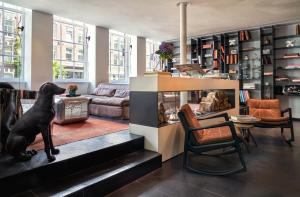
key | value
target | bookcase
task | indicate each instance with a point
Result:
(265, 60)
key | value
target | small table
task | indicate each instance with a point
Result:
(244, 123)
(71, 109)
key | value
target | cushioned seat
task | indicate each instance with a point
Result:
(112, 101)
(217, 135)
(271, 116)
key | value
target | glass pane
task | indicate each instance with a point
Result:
(1, 19)
(11, 21)
(56, 70)
(114, 71)
(56, 50)
(9, 44)
(79, 35)
(67, 32)
(67, 69)
(67, 51)
(1, 43)
(79, 53)
(79, 70)
(56, 31)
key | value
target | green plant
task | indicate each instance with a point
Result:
(56, 70)
(17, 57)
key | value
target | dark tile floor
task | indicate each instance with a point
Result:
(273, 171)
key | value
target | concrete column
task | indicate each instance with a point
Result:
(138, 56)
(141, 56)
(38, 51)
(183, 43)
(101, 72)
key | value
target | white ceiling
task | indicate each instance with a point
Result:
(159, 19)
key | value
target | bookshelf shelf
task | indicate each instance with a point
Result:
(284, 48)
(251, 43)
(286, 37)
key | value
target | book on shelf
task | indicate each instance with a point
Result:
(291, 55)
(266, 60)
(244, 96)
(268, 73)
(249, 86)
(297, 29)
(207, 46)
(215, 53)
(293, 66)
(245, 35)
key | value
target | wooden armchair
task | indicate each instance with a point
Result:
(271, 116)
(201, 140)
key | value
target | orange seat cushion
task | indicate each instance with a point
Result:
(218, 134)
(207, 135)
(269, 109)
(192, 120)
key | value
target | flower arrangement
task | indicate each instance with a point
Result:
(72, 87)
(165, 51)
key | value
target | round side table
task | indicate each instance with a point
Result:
(244, 125)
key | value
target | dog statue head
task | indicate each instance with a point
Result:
(50, 89)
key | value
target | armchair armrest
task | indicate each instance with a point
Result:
(225, 115)
(227, 123)
(287, 110)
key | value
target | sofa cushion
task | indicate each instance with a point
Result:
(113, 101)
(105, 92)
(121, 93)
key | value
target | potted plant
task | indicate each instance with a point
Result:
(165, 53)
(72, 89)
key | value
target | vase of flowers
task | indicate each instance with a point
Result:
(165, 53)
(72, 89)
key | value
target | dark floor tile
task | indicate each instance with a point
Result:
(272, 171)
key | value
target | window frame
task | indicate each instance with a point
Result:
(16, 10)
(126, 54)
(83, 45)
(154, 46)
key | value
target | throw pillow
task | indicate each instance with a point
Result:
(121, 93)
(105, 92)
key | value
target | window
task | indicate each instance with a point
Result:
(120, 52)
(69, 50)
(69, 53)
(152, 60)
(11, 41)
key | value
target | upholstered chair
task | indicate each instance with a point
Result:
(203, 140)
(272, 116)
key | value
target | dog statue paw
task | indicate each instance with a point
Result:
(55, 151)
(51, 158)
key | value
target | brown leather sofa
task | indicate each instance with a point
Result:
(110, 100)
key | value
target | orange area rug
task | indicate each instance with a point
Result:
(92, 127)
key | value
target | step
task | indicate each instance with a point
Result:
(73, 157)
(102, 179)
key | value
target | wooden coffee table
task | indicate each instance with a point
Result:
(244, 123)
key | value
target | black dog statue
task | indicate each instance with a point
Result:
(37, 119)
